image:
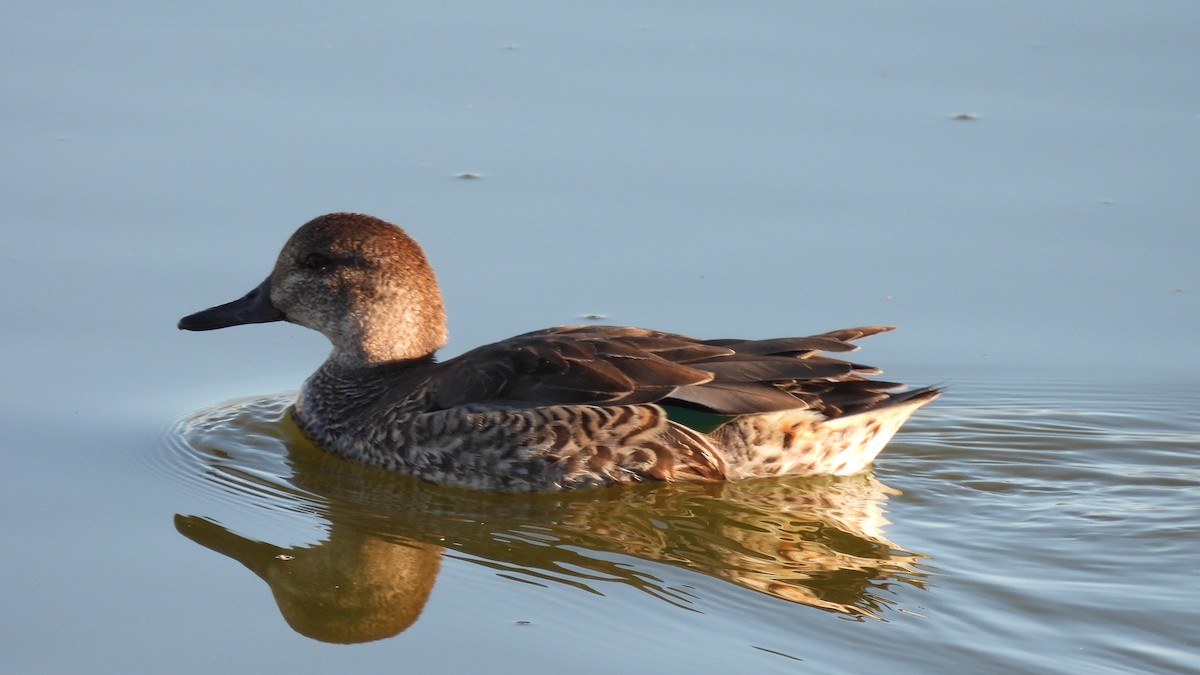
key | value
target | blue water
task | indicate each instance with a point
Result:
(1014, 186)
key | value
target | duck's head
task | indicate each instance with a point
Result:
(360, 281)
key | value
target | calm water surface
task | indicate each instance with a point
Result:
(1014, 185)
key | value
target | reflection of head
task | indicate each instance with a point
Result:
(346, 595)
(351, 588)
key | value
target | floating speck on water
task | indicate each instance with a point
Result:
(468, 175)
(522, 623)
(776, 652)
(594, 317)
(964, 117)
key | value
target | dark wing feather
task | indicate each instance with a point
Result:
(786, 346)
(773, 368)
(614, 365)
(852, 334)
(737, 398)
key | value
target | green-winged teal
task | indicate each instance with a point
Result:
(559, 408)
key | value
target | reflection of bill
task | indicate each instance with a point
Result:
(818, 542)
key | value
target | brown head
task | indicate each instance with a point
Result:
(360, 281)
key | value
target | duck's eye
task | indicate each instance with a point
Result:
(316, 261)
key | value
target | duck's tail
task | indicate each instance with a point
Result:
(803, 442)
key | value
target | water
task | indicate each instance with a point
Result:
(1006, 529)
(694, 168)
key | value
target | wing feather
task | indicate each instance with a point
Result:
(616, 365)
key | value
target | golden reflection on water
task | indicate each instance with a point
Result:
(816, 542)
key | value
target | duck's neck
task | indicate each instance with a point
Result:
(388, 333)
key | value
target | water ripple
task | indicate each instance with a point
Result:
(1050, 504)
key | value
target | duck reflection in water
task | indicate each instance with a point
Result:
(815, 541)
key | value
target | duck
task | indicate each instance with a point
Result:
(561, 408)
